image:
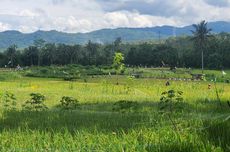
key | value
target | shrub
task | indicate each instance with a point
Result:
(35, 103)
(8, 100)
(68, 103)
(168, 98)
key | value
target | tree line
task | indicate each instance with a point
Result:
(172, 52)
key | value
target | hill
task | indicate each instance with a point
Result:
(8, 38)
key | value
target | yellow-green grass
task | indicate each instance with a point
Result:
(201, 123)
(104, 89)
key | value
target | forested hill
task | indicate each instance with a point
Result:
(8, 38)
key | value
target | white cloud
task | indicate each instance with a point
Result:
(89, 15)
(28, 13)
(135, 19)
(4, 27)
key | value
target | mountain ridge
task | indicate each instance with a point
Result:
(127, 34)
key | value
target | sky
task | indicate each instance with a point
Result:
(74, 16)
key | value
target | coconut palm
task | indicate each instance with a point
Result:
(200, 38)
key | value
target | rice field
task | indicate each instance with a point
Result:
(198, 123)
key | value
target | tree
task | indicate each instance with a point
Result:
(11, 54)
(118, 63)
(179, 51)
(48, 54)
(224, 48)
(92, 50)
(200, 38)
(117, 44)
(76, 50)
(131, 58)
(108, 54)
(31, 55)
(39, 43)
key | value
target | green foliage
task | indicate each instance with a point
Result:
(11, 54)
(8, 101)
(179, 52)
(118, 62)
(35, 103)
(129, 86)
(201, 34)
(125, 106)
(200, 37)
(168, 98)
(67, 72)
(68, 103)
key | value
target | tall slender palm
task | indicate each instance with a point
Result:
(200, 38)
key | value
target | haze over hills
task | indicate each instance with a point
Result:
(8, 38)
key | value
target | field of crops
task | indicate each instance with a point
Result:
(108, 117)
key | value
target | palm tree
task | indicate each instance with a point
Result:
(200, 38)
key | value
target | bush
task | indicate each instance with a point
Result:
(68, 103)
(168, 98)
(8, 101)
(35, 103)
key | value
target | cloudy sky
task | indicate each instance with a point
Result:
(88, 15)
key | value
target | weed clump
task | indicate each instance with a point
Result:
(68, 103)
(168, 98)
(8, 101)
(35, 103)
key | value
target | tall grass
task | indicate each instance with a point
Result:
(202, 124)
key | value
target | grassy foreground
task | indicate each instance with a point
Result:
(200, 122)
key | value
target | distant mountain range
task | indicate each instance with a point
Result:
(8, 38)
